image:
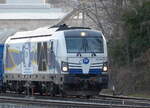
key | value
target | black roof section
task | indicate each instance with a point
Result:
(77, 33)
(66, 27)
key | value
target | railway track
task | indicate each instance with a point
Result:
(124, 97)
(97, 102)
(124, 100)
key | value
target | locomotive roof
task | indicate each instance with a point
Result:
(38, 32)
(48, 31)
(66, 27)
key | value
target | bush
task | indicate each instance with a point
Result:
(130, 54)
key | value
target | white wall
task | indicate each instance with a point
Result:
(25, 1)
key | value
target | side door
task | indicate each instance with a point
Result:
(51, 56)
(42, 55)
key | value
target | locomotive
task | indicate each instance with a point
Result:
(56, 60)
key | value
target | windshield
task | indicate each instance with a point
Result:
(84, 44)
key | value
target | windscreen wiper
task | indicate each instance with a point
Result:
(93, 54)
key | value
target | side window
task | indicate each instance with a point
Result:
(52, 47)
(42, 56)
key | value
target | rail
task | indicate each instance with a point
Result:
(74, 102)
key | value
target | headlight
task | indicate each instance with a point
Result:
(65, 69)
(64, 66)
(105, 67)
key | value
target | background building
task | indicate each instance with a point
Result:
(2, 1)
(25, 1)
(22, 15)
(27, 14)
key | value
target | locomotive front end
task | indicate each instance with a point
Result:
(86, 61)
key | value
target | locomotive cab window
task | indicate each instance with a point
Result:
(42, 56)
(84, 44)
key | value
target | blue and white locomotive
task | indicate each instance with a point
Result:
(56, 60)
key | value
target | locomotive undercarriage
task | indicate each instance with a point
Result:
(31, 88)
(85, 84)
(42, 84)
(61, 85)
